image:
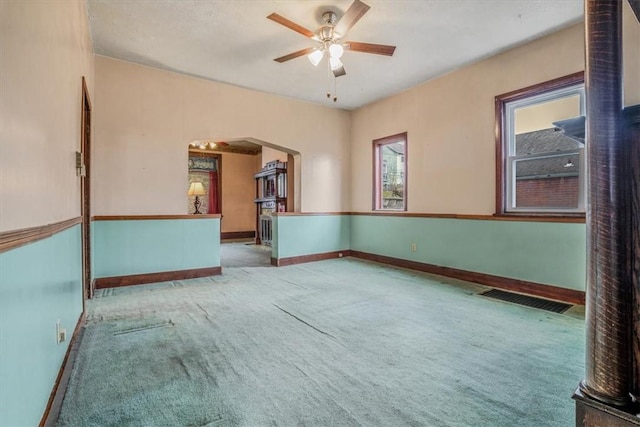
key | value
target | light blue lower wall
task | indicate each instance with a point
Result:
(127, 247)
(39, 284)
(542, 252)
(296, 235)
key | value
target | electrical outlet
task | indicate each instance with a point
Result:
(414, 247)
(61, 333)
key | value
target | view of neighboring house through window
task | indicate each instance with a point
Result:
(390, 172)
(543, 164)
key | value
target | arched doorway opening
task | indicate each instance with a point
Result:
(230, 173)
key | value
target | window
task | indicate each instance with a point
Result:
(390, 172)
(540, 148)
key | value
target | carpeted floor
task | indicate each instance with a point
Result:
(332, 343)
(244, 254)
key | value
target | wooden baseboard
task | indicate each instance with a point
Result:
(227, 235)
(52, 410)
(281, 262)
(521, 286)
(164, 276)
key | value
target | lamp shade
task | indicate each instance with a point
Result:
(335, 63)
(316, 56)
(196, 189)
(336, 50)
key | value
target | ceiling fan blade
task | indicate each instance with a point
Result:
(296, 54)
(351, 16)
(290, 24)
(378, 49)
(339, 72)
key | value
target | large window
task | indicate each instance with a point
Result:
(390, 173)
(540, 146)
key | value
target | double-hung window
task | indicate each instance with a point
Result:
(390, 173)
(541, 146)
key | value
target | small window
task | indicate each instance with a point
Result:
(389, 173)
(540, 147)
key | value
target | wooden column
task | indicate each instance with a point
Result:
(608, 381)
(608, 277)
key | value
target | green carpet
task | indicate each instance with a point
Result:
(332, 343)
(244, 254)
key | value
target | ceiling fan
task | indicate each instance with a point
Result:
(330, 36)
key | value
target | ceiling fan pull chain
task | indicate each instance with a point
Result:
(329, 79)
(335, 89)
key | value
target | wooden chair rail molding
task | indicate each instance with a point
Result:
(577, 219)
(524, 218)
(151, 217)
(15, 238)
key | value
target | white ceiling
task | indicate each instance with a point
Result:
(231, 41)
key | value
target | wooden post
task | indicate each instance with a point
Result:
(607, 386)
(608, 279)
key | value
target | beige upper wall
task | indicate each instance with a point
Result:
(145, 118)
(451, 121)
(45, 49)
(450, 124)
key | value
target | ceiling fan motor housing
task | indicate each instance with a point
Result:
(329, 18)
(327, 31)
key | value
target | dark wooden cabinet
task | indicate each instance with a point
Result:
(271, 196)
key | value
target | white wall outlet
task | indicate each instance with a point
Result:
(414, 247)
(61, 333)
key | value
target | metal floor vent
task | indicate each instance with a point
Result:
(542, 304)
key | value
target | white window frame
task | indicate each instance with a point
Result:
(509, 148)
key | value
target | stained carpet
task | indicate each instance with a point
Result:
(333, 343)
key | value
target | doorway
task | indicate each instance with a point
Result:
(240, 192)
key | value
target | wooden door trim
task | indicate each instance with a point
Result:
(85, 189)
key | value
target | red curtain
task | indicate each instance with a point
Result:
(213, 192)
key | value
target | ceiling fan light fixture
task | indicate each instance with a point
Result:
(329, 37)
(335, 63)
(336, 50)
(316, 56)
